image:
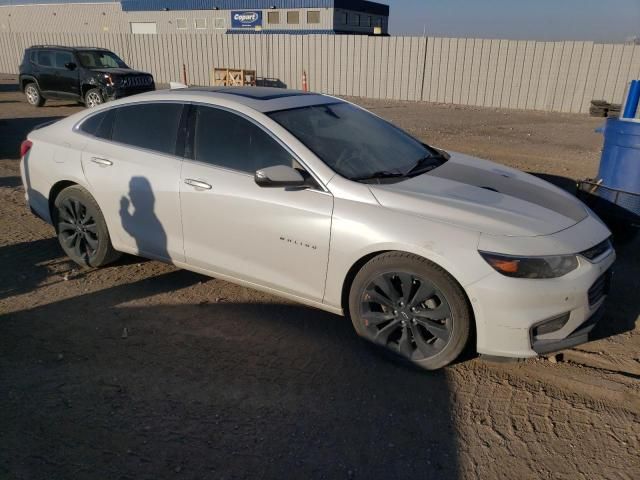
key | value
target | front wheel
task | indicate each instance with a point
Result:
(93, 98)
(411, 307)
(81, 228)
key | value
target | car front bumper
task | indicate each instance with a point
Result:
(508, 310)
(114, 93)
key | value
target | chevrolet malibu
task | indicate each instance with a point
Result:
(317, 200)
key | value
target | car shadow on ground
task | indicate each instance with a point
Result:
(622, 307)
(10, 182)
(13, 131)
(9, 87)
(243, 390)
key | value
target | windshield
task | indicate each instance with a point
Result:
(353, 142)
(100, 59)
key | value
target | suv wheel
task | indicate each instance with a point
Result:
(32, 92)
(411, 307)
(93, 98)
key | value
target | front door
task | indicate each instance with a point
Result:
(66, 79)
(274, 237)
(134, 174)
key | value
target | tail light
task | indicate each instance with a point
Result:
(25, 146)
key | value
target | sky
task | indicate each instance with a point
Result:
(597, 20)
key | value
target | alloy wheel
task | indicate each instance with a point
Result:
(77, 228)
(407, 314)
(33, 96)
(93, 99)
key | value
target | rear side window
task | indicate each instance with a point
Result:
(153, 126)
(45, 58)
(62, 58)
(228, 140)
(99, 125)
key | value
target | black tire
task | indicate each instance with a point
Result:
(93, 98)
(396, 317)
(33, 94)
(81, 229)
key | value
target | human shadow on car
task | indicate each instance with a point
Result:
(138, 217)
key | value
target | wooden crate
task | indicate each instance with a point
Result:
(231, 77)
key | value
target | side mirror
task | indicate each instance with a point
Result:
(70, 66)
(279, 176)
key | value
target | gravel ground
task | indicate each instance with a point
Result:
(140, 370)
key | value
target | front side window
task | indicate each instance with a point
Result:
(293, 17)
(355, 20)
(354, 142)
(63, 58)
(153, 126)
(273, 18)
(228, 140)
(100, 59)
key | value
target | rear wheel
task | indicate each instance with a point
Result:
(411, 307)
(34, 97)
(93, 98)
(82, 231)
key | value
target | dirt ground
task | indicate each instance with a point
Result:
(141, 370)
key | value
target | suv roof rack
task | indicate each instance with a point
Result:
(67, 47)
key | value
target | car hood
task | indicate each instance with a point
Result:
(486, 197)
(119, 71)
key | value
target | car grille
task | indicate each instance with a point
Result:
(597, 250)
(137, 81)
(600, 288)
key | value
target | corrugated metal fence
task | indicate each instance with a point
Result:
(551, 76)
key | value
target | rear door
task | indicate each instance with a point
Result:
(131, 164)
(274, 237)
(46, 71)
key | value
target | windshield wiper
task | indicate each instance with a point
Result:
(425, 164)
(378, 174)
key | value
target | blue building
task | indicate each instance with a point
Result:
(195, 16)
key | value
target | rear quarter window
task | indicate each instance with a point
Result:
(153, 126)
(99, 125)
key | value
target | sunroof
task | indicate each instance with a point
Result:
(256, 93)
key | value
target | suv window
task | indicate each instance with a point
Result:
(153, 126)
(45, 58)
(228, 140)
(99, 125)
(63, 58)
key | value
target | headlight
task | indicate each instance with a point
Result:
(531, 267)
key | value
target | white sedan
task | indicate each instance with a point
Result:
(315, 199)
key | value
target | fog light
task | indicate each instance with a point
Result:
(551, 325)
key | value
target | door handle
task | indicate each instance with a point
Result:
(103, 162)
(197, 184)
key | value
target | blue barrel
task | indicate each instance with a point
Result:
(620, 164)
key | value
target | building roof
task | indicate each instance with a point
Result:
(159, 5)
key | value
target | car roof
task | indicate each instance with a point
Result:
(63, 47)
(262, 99)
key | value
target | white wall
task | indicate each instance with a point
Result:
(550, 76)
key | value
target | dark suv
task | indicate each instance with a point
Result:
(88, 75)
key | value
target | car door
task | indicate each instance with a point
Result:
(274, 237)
(46, 71)
(131, 165)
(65, 81)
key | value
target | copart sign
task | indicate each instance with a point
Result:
(246, 19)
